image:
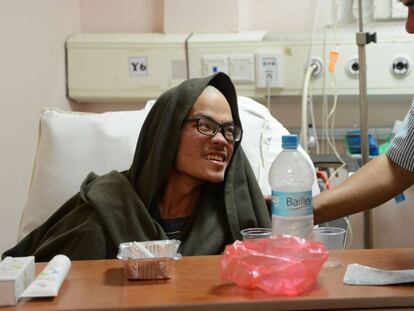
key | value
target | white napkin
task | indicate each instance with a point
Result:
(357, 274)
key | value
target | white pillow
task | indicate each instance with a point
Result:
(262, 141)
(72, 144)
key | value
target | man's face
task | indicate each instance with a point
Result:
(409, 26)
(204, 158)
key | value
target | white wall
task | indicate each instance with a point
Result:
(32, 75)
(121, 16)
(287, 16)
(235, 15)
(206, 16)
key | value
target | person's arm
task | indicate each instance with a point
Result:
(375, 183)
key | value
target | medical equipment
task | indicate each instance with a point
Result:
(125, 68)
(362, 39)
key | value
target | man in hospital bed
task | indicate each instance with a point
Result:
(189, 180)
(381, 178)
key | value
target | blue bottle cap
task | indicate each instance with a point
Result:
(290, 141)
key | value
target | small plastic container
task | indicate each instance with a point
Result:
(353, 141)
(150, 260)
(148, 268)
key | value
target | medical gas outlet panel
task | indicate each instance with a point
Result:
(127, 67)
(277, 63)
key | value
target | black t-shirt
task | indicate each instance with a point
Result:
(173, 227)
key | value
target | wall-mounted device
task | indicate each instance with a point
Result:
(352, 68)
(318, 67)
(129, 67)
(124, 67)
(269, 70)
(214, 63)
(401, 66)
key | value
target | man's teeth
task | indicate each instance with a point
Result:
(215, 157)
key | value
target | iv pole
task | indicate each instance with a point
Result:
(362, 39)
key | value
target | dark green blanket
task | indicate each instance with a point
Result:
(113, 208)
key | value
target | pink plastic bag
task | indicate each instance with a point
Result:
(280, 265)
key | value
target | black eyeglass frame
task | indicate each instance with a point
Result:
(219, 127)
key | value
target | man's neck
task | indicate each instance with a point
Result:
(180, 196)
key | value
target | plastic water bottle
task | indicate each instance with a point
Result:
(291, 178)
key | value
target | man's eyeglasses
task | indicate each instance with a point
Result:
(209, 127)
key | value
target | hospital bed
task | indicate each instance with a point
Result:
(72, 144)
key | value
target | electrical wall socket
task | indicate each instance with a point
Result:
(269, 70)
(241, 68)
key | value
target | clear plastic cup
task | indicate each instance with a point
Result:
(256, 233)
(334, 239)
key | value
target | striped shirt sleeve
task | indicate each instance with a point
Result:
(401, 150)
